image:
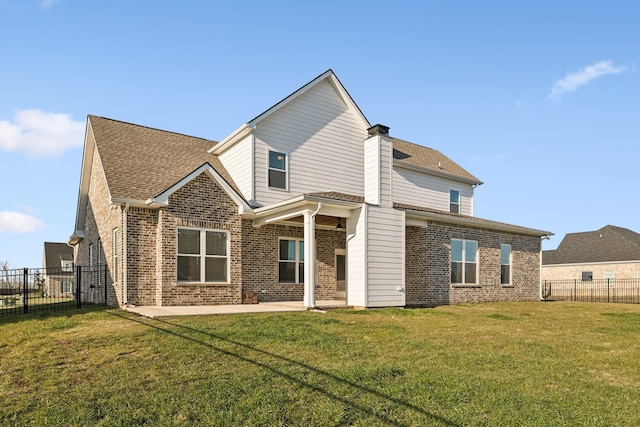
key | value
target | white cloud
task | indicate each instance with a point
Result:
(47, 4)
(40, 133)
(16, 222)
(574, 80)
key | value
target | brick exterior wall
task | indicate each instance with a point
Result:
(621, 270)
(260, 261)
(100, 221)
(201, 203)
(253, 255)
(428, 266)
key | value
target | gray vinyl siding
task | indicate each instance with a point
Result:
(323, 140)
(417, 188)
(356, 258)
(385, 257)
(238, 160)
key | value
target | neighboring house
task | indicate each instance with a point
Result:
(57, 274)
(307, 201)
(608, 253)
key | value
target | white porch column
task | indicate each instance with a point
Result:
(310, 258)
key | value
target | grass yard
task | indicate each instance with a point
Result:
(503, 364)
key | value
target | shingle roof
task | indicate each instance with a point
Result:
(339, 196)
(610, 243)
(472, 220)
(418, 155)
(141, 162)
(55, 253)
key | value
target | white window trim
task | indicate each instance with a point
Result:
(286, 170)
(67, 265)
(450, 203)
(477, 262)
(115, 248)
(297, 260)
(203, 254)
(611, 279)
(99, 262)
(510, 281)
(70, 287)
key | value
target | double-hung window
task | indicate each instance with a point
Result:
(67, 266)
(464, 264)
(291, 261)
(505, 264)
(454, 201)
(66, 287)
(277, 170)
(203, 255)
(90, 256)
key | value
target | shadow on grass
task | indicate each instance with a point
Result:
(62, 311)
(158, 324)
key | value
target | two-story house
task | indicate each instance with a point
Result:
(305, 202)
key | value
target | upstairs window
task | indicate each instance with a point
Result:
(277, 170)
(505, 264)
(454, 201)
(464, 261)
(67, 266)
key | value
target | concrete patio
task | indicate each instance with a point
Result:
(203, 310)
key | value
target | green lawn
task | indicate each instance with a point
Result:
(506, 364)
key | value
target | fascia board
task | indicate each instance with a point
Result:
(574, 264)
(236, 136)
(472, 222)
(85, 176)
(162, 199)
(429, 171)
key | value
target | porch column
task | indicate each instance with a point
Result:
(309, 259)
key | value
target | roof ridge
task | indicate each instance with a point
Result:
(617, 229)
(152, 128)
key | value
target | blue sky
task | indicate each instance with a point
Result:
(538, 99)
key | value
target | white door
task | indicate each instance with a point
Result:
(341, 274)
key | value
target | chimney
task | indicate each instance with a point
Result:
(378, 166)
(378, 130)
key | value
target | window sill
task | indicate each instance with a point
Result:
(507, 286)
(465, 285)
(283, 190)
(290, 283)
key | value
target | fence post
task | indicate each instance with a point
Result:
(25, 291)
(608, 290)
(78, 286)
(575, 289)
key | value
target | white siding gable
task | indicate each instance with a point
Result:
(238, 160)
(323, 139)
(416, 188)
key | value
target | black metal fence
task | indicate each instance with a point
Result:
(29, 290)
(626, 291)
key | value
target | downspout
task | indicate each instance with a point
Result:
(124, 255)
(542, 297)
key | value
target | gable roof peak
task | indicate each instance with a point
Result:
(248, 127)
